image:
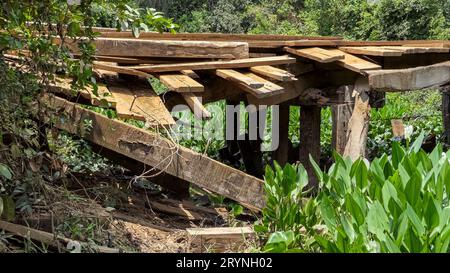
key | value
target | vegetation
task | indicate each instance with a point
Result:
(396, 203)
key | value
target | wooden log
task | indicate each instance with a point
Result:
(281, 155)
(317, 54)
(410, 79)
(341, 114)
(310, 122)
(224, 239)
(359, 122)
(233, 64)
(165, 48)
(49, 238)
(121, 69)
(160, 153)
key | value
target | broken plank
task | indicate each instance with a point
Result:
(141, 103)
(268, 90)
(273, 73)
(242, 63)
(410, 79)
(196, 106)
(103, 98)
(219, 239)
(237, 77)
(317, 54)
(372, 51)
(190, 73)
(160, 153)
(166, 48)
(181, 83)
(355, 64)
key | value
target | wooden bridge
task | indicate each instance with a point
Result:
(311, 72)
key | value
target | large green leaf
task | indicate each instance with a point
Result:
(354, 209)
(377, 221)
(327, 211)
(415, 220)
(359, 172)
(415, 147)
(9, 208)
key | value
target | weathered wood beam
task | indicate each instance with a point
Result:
(356, 64)
(233, 64)
(446, 113)
(154, 48)
(341, 114)
(310, 122)
(196, 106)
(359, 122)
(281, 154)
(410, 79)
(159, 152)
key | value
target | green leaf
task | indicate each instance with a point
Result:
(5, 171)
(417, 224)
(317, 169)
(354, 209)
(327, 211)
(417, 144)
(377, 221)
(359, 172)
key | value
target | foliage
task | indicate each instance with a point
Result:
(396, 203)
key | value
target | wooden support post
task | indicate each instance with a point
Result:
(281, 155)
(446, 113)
(310, 119)
(359, 122)
(341, 116)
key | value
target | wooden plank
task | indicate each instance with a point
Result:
(161, 153)
(237, 77)
(196, 106)
(181, 83)
(268, 90)
(141, 103)
(120, 69)
(165, 48)
(190, 73)
(410, 79)
(104, 98)
(176, 210)
(418, 50)
(219, 239)
(337, 43)
(243, 63)
(317, 54)
(273, 73)
(356, 64)
(372, 51)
